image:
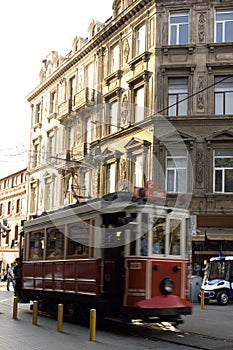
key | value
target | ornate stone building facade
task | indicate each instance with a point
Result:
(145, 99)
(12, 211)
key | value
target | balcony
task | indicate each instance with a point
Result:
(63, 110)
(78, 152)
(83, 98)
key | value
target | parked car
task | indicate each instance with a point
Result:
(219, 283)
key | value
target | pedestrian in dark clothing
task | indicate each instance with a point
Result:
(18, 277)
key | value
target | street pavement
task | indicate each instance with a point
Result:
(21, 334)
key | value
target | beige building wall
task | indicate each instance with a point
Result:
(87, 131)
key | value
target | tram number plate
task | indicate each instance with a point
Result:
(135, 266)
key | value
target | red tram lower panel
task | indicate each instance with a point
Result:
(76, 276)
(146, 288)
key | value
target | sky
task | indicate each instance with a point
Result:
(30, 29)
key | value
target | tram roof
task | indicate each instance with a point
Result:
(112, 203)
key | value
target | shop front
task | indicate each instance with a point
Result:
(214, 236)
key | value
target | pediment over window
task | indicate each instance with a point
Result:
(176, 138)
(144, 57)
(222, 135)
(109, 154)
(134, 144)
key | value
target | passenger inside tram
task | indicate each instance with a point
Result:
(158, 239)
(174, 248)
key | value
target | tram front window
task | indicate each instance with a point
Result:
(158, 231)
(174, 244)
(144, 245)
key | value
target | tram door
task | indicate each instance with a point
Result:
(114, 272)
(113, 277)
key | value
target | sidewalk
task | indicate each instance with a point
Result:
(21, 334)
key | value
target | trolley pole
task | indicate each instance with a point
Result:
(92, 324)
(15, 307)
(35, 312)
(59, 317)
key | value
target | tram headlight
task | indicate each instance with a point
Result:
(167, 286)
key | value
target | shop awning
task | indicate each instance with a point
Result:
(218, 234)
(198, 238)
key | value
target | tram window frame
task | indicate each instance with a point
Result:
(159, 237)
(80, 250)
(55, 243)
(36, 242)
(172, 234)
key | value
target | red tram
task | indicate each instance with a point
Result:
(127, 259)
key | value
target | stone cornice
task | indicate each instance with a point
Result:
(92, 44)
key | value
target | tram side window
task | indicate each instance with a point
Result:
(36, 245)
(55, 244)
(78, 239)
(175, 229)
(76, 249)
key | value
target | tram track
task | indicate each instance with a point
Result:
(168, 334)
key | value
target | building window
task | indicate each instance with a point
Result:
(87, 185)
(177, 96)
(35, 155)
(138, 171)
(51, 144)
(113, 117)
(224, 26)
(223, 171)
(110, 177)
(38, 113)
(33, 198)
(140, 40)
(89, 130)
(90, 76)
(9, 208)
(18, 206)
(178, 29)
(223, 95)
(49, 191)
(53, 102)
(72, 90)
(114, 58)
(176, 172)
(139, 104)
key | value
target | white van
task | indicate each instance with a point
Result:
(219, 284)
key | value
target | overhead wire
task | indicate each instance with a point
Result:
(5, 152)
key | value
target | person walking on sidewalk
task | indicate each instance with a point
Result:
(10, 277)
(18, 277)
